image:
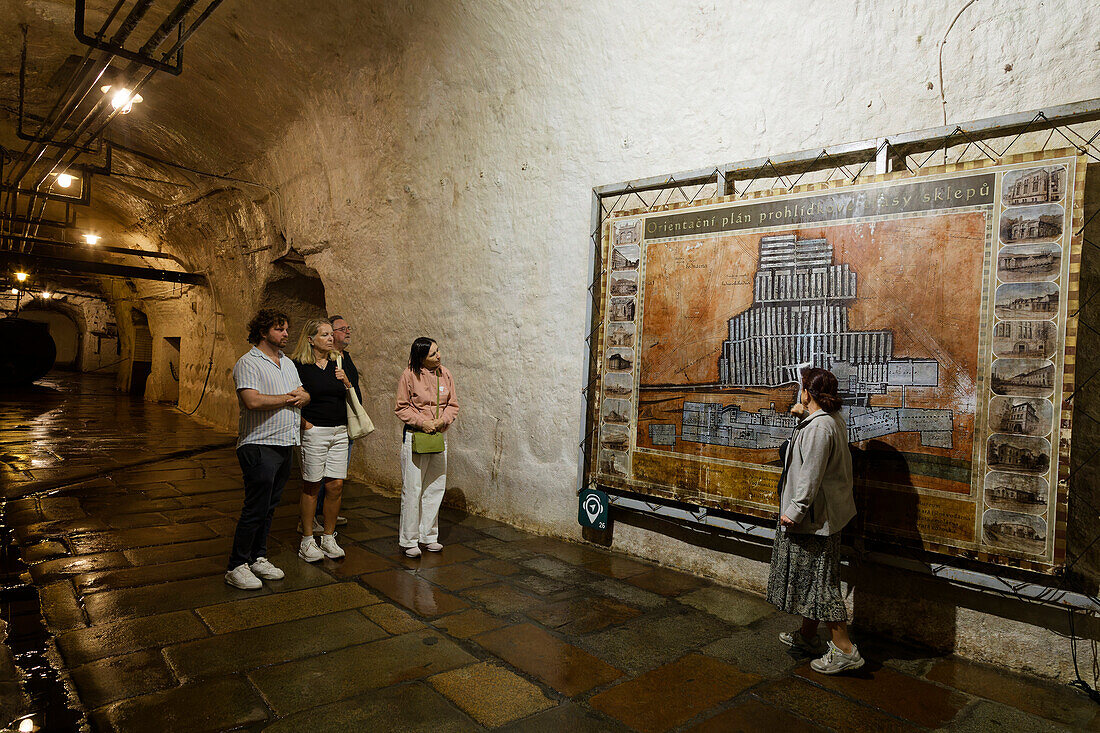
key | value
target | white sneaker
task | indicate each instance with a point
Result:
(264, 569)
(241, 577)
(836, 661)
(341, 521)
(433, 547)
(329, 547)
(412, 552)
(309, 551)
(814, 647)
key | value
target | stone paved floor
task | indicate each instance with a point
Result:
(503, 630)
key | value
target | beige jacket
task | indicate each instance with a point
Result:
(817, 492)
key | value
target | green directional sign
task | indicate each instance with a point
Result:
(593, 509)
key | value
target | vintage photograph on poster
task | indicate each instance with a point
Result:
(939, 301)
(616, 411)
(1025, 263)
(1030, 300)
(1021, 415)
(1032, 223)
(626, 257)
(1025, 377)
(624, 282)
(1025, 339)
(616, 384)
(620, 359)
(1034, 186)
(1016, 492)
(620, 334)
(1020, 532)
(622, 309)
(615, 437)
(1019, 453)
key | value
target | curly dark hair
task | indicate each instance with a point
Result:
(263, 321)
(823, 387)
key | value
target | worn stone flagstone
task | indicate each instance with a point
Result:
(243, 650)
(115, 678)
(567, 669)
(351, 671)
(490, 694)
(104, 640)
(414, 593)
(409, 707)
(754, 715)
(391, 618)
(207, 706)
(671, 695)
(278, 607)
(728, 604)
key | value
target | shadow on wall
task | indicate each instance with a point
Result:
(880, 601)
(1083, 532)
(295, 289)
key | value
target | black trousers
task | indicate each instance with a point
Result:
(266, 469)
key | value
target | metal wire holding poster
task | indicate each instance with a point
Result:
(945, 302)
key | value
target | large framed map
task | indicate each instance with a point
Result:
(945, 303)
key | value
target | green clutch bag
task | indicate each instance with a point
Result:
(429, 442)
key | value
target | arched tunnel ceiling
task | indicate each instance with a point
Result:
(248, 71)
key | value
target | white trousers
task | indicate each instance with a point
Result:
(423, 482)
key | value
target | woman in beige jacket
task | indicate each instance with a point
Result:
(816, 503)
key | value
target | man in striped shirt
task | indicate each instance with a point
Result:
(271, 396)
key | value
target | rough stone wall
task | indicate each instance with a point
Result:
(97, 316)
(434, 163)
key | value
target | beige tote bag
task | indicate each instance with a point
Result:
(359, 422)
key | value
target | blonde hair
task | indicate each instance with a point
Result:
(303, 350)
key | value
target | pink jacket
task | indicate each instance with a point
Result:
(416, 397)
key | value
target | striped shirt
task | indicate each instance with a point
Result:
(255, 370)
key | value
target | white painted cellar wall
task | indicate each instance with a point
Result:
(434, 163)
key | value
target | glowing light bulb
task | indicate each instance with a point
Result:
(20, 276)
(26, 725)
(64, 180)
(91, 238)
(123, 99)
(46, 295)
(15, 291)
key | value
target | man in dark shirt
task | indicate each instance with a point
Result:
(341, 337)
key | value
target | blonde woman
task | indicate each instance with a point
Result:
(324, 435)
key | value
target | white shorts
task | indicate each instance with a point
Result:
(324, 453)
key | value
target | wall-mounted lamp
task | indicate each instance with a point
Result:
(91, 238)
(15, 291)
(46, 295)
(122, 99)
(21, 276)
(64, 180)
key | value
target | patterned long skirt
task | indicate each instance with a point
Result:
(805, 576)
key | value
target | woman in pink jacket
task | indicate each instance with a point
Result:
(426, 402)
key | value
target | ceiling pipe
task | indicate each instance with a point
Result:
(174, 18)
